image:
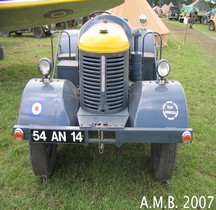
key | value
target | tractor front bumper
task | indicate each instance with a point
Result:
(99, 134)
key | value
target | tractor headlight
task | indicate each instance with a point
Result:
(44, 66)
(143, 19)
(163, 68)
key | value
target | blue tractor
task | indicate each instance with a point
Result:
(106, 84)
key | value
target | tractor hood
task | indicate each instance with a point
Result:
(105, 37)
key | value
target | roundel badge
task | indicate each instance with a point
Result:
(60, 13)
(170, 110)
(36, 108)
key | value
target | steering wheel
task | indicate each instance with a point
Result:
(96, 13)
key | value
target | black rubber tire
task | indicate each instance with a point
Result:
(43, 158)
(163, 157)
(38, 32)
(18, 34)
(211, 26)
(5, 34)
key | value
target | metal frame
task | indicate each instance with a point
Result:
(154, 33)
(123, 135)
(54, 60)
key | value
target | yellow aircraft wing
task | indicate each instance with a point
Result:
(20, 14)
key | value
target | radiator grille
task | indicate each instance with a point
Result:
(104, 82)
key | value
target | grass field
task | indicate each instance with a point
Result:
(119, 179)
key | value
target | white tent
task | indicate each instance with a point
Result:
(132, 9)
(166, 7)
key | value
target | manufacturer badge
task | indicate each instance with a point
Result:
(170, 110)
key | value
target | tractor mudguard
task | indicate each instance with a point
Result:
(157, 105)
(49, 103)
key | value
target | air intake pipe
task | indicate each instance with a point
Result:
(136, 58)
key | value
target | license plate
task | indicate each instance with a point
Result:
(55, 136)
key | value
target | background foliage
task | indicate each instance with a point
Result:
(175, 2)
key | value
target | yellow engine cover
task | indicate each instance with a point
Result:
(104, 37)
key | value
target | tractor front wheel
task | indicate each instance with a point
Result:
(43, 158)
(163, 158)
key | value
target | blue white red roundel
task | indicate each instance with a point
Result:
(36, 108)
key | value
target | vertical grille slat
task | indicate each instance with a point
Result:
(104, 91)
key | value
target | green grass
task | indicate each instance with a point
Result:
(198, 26)
(118, 179)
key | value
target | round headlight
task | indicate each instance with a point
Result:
(143, 19)
(163, 68)
(44, 66)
